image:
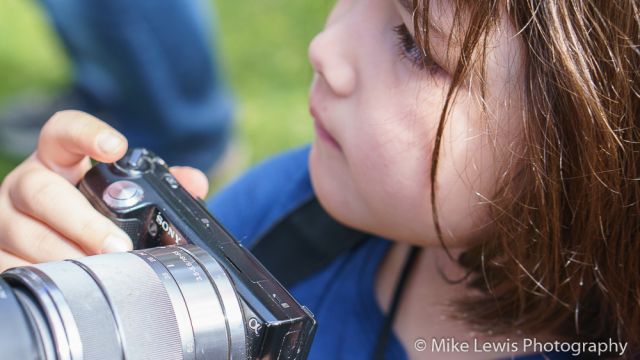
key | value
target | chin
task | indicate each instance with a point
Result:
(332, 192)
(340, 198)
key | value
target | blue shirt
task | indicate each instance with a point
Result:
(341, 296)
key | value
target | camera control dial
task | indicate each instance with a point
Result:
(136, 161)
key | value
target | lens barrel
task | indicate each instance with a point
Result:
(174, 302)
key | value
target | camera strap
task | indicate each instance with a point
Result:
(387, 325)
(303, 242)
(307, 239)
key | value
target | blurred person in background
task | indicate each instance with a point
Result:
(147, 67)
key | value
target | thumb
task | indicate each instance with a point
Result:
(193, 180)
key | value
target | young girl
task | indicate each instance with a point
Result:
(490, 148)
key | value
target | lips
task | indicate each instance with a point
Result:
(322, 132)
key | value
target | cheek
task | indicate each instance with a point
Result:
(389, 156)
(390, 166)
(476, 155)
(392, 156)
(465, 179)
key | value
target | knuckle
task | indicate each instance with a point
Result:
(65, 116)
(33, 189)
(7, 181)
(20, 189)
(63, 120)
(56, 120)
(14, 176)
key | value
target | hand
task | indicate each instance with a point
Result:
(43, 217)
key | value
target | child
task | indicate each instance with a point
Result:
(494, 143)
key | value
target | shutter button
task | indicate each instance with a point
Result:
(122, 194)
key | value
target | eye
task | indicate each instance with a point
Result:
(411, 51)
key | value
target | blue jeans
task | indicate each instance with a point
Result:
(147, 67)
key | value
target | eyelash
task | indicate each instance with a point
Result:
(411, 51)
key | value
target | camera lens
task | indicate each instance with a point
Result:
(173, 302)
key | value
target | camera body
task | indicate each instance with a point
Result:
(142, 197)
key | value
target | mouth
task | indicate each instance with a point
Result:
(321, 131)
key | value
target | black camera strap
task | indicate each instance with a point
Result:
(307, 239)
(303, 242)
(387, 325)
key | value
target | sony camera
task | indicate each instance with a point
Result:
(188, 290)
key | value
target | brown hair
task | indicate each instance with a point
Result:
(564, 253)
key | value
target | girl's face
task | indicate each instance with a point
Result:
(376, 109)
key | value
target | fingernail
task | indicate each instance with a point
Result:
(108, 142)
(115, 244)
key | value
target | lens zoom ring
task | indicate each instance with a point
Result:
(148, 330)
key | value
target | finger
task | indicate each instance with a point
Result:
(193, 180)
(50, 199)
(69, 136)
(8, 261)
(73, 174)
(34, 241)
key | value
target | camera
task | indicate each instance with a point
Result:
(188, 290)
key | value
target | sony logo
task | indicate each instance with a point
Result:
(168, 229)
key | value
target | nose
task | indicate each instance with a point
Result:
(331, 56)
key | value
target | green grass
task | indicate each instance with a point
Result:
(263, 46)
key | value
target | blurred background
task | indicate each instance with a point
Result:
(263, 53)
